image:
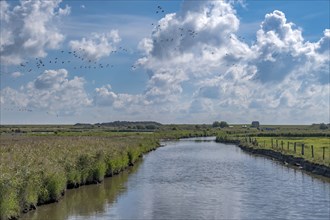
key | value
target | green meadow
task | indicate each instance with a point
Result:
(308, 142)
(313, 147)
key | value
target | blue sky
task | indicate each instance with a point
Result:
(65, 62)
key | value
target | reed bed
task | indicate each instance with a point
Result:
(38, 169)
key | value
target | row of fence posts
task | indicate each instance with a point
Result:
(254, 142)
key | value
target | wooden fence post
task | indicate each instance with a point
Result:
(288, 145)
(323, 152)
(272, 143)
(295, 147)
(276, 143)
(282, 144)
(312, 147)
(302, 149)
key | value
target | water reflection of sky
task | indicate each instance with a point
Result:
(187, 181)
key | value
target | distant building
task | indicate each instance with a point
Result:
(255, 124)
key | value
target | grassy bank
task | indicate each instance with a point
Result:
(312, 148)
(38, 169)
(309, 148)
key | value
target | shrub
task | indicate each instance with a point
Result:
(223, 124)
(323, 126)
(216, 124)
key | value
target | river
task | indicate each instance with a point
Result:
(190, 179)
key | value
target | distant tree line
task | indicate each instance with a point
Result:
(324, 126)
(125, 124)
(221, 124)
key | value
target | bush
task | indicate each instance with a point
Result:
(323, 126)
(216, 124)
(223, 124)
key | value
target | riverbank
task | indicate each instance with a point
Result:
(38, 170)
(299, 162)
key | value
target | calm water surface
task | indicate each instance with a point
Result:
(192, 179)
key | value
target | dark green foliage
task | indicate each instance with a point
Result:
(223, 124)
(216, 124)
(127, 124)
(323, 126)
(151, 127)
(140, 127)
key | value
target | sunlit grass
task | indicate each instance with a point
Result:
(313, 149)
(317, 142)
(38, 169)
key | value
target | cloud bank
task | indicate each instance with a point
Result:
(29, 29)
(52, 91)
(281, 74)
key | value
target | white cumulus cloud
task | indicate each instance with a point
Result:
(280, 73)
(29, 29)
(197, 42)
(97, 46)
(51, 91)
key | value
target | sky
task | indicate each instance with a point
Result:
(188, 61)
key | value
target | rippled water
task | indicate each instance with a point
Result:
(198, 180)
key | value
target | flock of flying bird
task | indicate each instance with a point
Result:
(80, 59)
(80, 55)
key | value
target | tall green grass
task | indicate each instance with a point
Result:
(38, 169)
